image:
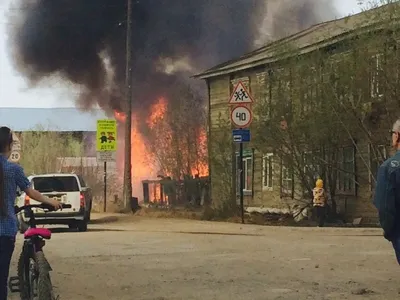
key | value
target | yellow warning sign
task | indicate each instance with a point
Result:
(106, 135)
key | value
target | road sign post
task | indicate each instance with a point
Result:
(241, 136)
(106, 145)
(15, 155)
(105, 186)
(241, 181)
(241, 117)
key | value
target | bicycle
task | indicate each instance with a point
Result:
(33, 281)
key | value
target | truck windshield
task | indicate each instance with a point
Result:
(56, 184)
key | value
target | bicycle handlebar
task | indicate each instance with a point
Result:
(41, 206)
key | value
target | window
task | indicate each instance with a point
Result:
(309, 90)
(287, 179)
(264, 94)
(83, 183)
(347, 168)
(55, 184)
(312, 165)
(377, 75)
(284, 91)
(268, 172)
(377, 155)
(247, 174)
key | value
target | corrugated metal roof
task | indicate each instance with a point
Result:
(50, 119)
(315, 37)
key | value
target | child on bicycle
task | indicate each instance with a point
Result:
(11, 177)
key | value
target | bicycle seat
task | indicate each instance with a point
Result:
(42, 232)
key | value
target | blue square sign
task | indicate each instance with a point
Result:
(241, 135)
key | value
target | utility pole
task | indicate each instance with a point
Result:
(128, 110)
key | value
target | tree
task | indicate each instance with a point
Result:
(331, 100)
(42, 150)
(176, 134)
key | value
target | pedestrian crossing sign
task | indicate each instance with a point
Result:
(106, 135)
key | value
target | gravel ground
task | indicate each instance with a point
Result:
(158, 259)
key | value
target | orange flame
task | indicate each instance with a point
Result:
(202, 168)
(155, 193)
(157, 113)
(119, 116)
(144, 164)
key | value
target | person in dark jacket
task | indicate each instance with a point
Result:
(387, 193)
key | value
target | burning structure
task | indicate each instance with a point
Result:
(83, 44)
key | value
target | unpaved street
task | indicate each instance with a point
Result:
(176, 259)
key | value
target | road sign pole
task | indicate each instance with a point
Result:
(241, 181)
(241, 117)
(106, 145)
(105, 186)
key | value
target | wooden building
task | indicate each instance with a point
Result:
(269, 182)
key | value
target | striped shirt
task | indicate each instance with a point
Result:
(13, 177)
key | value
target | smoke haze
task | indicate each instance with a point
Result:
(285, 17)
(83, 41)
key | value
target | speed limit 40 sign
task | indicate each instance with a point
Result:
(241, 116)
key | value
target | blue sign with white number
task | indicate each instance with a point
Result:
(241, 135)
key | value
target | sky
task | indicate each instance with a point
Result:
(14, 91)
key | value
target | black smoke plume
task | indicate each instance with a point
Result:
(83, 41)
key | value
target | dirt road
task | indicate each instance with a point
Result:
(177, 259)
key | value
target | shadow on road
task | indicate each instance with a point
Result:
(356, 235)
(105, 220)
(217, 233)
(105, 230)
(68, 230)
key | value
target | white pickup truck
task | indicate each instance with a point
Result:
(66, 188)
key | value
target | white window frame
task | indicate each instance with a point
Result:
(246, 159)
(340, 185)
(376, 76)
(284, 180)
(267, 167)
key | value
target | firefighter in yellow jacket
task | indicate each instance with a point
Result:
(319, 202)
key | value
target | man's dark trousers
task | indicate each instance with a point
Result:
(7, 245)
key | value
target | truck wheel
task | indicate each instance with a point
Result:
(82, 226)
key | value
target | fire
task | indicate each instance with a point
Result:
(143, 167)
(119, 116)
(202, 168)
(149, 151)
(157, 112)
